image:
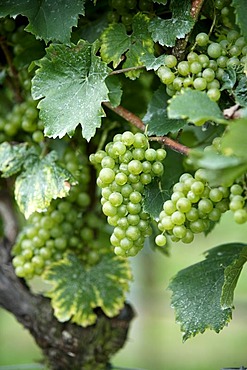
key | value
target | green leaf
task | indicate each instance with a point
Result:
(240, 92)
(71, 81)
(48, 20)
(166, 31)
(219, 169)
(115, 90)
(77, 291)
(13, 157)
(116, 42)
(156, 117)
(196, 107)
(232, 273)
(197, 290)
(241, 14)
(151, 62)
(233, 142)
(229, 78)
(42, 181)
(159, 190)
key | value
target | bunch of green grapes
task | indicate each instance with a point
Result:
(22, 119)
(67, 225)
(126, 166)
(191, 209)
(204, 69)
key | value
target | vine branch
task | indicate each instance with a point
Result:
(196, 6)
(13, 72)
(137, 122)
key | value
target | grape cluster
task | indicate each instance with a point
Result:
(237, 203)
(23, 118)
(124, 10)
(204, 70)
(226, 12)
(66, 225)
(126, 166)
(191, 209)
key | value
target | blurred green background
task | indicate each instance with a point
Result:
(154, 340)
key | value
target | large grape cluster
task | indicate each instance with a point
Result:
(204, 68)
(191, 209)
(67, 225)
(126, 166)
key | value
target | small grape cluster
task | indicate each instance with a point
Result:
(124, 10)
(67, 225)
(204, 71)
(126, 166)
(237, 203)
(191, 209)
(23, 118)
(226, 12)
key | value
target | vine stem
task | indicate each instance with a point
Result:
(196, 6)
(137, 122)
(124, 70)
(13, 71)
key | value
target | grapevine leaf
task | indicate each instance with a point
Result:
(151, 62)
(48, 20)
(219, 169)
(13, 157)
(71, 81)
(241, 14)
(116, 42)
(229, 78)
(240, 93)
(196, 107)
(76, 291)
(166, 31)
(233, 142)
(159, 190)
(197, 290)
(156, 117)
(232, 273)
(40, 182)
(115, 91)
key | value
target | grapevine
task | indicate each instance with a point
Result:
(122, 132)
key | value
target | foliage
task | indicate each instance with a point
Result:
(102, 65)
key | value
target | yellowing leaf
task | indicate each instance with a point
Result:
(77, 291)
(40, 182)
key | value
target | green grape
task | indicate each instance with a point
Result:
(195, 67)
(166, 75)
(183, 68)
(214, 50)
(200, 83)
(170, 61)
(202, 39)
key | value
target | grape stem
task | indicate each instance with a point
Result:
(124, 70)
(13, 71)
(137, 122)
